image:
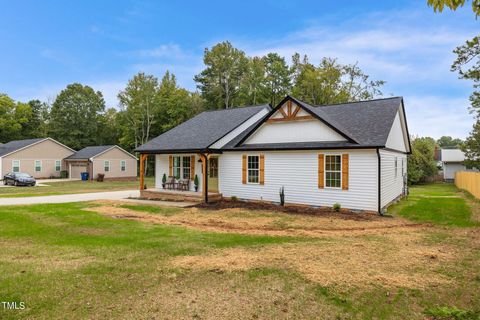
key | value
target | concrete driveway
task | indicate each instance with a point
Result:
(64, 198)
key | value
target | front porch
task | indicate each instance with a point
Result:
(177, 195)
(176, 174)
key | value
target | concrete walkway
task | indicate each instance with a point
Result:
(64, 198)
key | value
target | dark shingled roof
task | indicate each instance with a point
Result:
(17, 144)
(201, 131)
(88, 152)
(367, 123)
(364, 124)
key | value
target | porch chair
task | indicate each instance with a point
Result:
(184, 184)
(170, 184)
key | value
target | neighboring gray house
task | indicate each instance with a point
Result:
(452, 161)
(111, 160)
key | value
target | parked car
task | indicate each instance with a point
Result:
(19, 179)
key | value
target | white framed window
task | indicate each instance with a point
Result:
(181, 167)
(106, 166)
(333, 171)
(186, 167)
(177, 166)
(16, 165)
(396, 167)
(38, 166)
(253, 169)
(58, 165)
(123, 165)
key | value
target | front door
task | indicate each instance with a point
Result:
(213, 174)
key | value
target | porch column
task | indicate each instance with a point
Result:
(69, 170)
(143, 157)
(204, 176)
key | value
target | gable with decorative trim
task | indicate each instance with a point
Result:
(291, 123)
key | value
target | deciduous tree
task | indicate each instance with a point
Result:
(421, 163)
(139, 103)
(471, 147)
(277, 79)
(75, 116)
(221, 80)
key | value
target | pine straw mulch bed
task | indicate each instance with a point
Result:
(291, 209)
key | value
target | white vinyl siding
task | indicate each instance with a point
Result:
(58, 165)
(392, 182)
(294, 131)
(450, 168)
(397, 138)
(297, 172)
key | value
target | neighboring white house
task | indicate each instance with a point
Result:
(452, 161)
(354, 154)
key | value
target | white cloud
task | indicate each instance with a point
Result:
(164, 51)
(436, 116)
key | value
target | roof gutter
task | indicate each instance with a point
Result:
(170, 151)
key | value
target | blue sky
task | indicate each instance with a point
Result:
(49, 44)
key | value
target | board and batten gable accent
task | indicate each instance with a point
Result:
(290, 111)
(391, 184)
(297, 172)
(321, 171)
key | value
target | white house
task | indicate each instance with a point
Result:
(353, 154)
(452, 161)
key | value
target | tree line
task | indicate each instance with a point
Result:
(147, 106)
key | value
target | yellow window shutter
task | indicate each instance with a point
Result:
(244, 169)
(321, 171)
(262, 169)
(170, 166)
(345, 171)
(192, 167)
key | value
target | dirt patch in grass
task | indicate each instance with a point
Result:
(238, 220)
(405, 261)
(35, 259)
(386, 252)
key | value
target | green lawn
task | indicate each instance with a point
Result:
(67, 262)
(441, 204)
(69, 187)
